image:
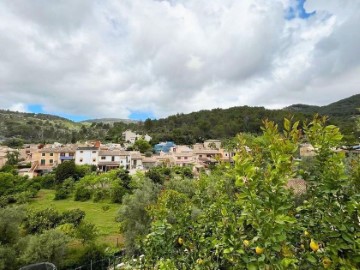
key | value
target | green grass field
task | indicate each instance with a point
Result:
(103, 220)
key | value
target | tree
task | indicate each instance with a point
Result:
(253, 216)
(133, 215)
(14, 143)
(12, 157)
(50, 246)
(87, 232)
(10, 220)
(142, 146)
(65, 170)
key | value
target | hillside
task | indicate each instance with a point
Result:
(341, 113)
(181, 128)
(44, 128)
(345, 107)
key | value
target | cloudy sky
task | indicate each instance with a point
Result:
(153, 58)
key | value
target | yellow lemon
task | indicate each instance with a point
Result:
(306, 233)
(199, 261)
(302, 246)
(313, 245)
(246, 243)
(286, 251)
(259, 250)
(180, 241)
(326, 262)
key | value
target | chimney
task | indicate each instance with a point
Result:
(97, 144)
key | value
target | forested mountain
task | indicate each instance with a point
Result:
(342, 113)
(181, 128)
(345, 107)
(216, 123)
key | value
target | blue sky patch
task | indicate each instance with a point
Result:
(35, 108)
(298, 11)
(141, 115)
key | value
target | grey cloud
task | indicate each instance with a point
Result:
(108, 58)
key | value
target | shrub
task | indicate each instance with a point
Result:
(74, 216)
(82, 194)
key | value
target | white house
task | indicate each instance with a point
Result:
(129, 136)
(113, 159)
(86, 155)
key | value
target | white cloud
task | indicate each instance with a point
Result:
(108, 58)
(18, 107)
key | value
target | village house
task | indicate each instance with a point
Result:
(86, 155)
(149, 162)
(131, 137)
(182, 155)
(136, 160)
(47, 158)
(212, 144)
(113, 159)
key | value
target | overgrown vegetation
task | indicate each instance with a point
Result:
(247, 217)
(237, 216)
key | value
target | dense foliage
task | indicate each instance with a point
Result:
(248, 217)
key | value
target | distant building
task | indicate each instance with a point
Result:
(114, 159)
(129, 136)
(163, 147)
(212, 144)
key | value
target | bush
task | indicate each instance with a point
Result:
(74, 216)
(87, 232)
(99, 195)
(65, 189)
(82, 194)
(46, 181)
(39, 221)
(61, 194)
(117, 193)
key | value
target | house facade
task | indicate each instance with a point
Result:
(86, 155)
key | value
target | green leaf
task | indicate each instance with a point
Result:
(347, 237)
(311, 258)
(252, 266)
(282, 219)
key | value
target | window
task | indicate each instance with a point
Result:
(179, 158)
(43, 154)
(51, 154)
(94, 159)
(112, 158)
(200, 155)
(185, 157)
(51, 161)
(71, 154)
(42, 162)
(94, 152)
(81, 152)
(103, 158)
(62, 154)
(81, 160)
